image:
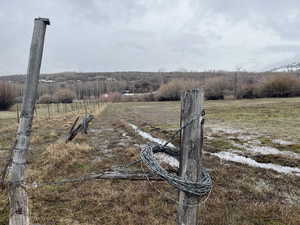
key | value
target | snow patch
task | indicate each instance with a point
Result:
(265, 150)
(253, 145)
(250, 162)
(229, 156)
(150, 137)
(282, 142)
(161, 157)
(225, 130)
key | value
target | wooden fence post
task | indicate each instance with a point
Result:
(48, 109)
(19, 211)
(35, 112)
(18, 116)
(191, 153)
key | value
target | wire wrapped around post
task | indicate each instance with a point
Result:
(200, 189)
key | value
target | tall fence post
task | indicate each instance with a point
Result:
(19, 211)
(191, 153)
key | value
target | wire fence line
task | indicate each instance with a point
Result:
(202, 188)
(106, 174)
(52, 110)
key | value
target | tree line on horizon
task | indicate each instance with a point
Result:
(159, 87)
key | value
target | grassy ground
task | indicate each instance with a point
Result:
(270, 118)
(241, 194)
(276, 117)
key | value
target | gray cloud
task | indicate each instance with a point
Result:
(101, 35)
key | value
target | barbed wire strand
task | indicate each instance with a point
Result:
(200, 188)
(201, 203)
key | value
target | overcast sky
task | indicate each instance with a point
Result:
(151, 35)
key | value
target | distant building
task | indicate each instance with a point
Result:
(46, 81)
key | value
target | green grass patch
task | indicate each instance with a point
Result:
(221, 144)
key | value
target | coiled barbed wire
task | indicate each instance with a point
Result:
(201, 188)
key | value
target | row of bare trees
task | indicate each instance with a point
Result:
(239, 87)
(218, 87)
(91, 89)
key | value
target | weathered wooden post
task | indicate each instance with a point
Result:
(191, 153)
(35, 111)
(48, 109)
(18, 116)
(19, 211)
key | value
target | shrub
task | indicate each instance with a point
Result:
(172, 90)
(280, 86)
(45, 99)
(64, 96)
(247, 91)
(6, 96)
(215, 88)
(149, 97)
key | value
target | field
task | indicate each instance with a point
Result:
(264, 131)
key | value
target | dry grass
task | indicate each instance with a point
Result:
(103, 202)
(241, 194)
(49, 159)
(61, 160)
(94, 202)
(275, 117)
(62, 153)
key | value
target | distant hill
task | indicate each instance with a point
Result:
(94, 84)
(293, 67)
(127, 81)
(129, 76)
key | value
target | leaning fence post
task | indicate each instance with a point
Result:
(19, 211)
(191, 153)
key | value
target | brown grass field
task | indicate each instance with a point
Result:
(242, 195)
